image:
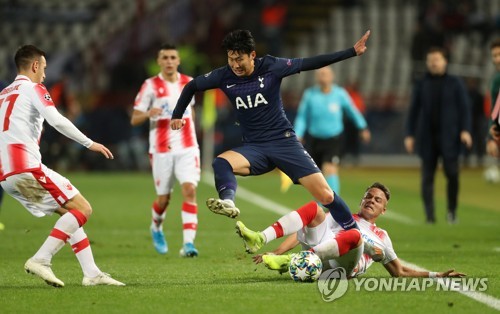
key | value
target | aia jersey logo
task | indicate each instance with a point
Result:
(250, 103)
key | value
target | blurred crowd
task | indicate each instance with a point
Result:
(101, 106)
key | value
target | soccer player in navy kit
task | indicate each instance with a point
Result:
(269, 141)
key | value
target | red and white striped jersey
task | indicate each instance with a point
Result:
(21, 104)
(157, 92)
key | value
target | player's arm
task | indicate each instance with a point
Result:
(465, 117)
(396, 269)
(68, 129)
(356, 116)
(142, 106)
(184, 99)
(320, 61)
(300, 124)
(411, 122)
(290, 243)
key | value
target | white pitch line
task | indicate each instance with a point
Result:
(276, 208)
(475, 295)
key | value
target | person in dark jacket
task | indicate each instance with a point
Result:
(438, 122)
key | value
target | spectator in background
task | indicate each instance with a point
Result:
(479, 123)
(438, 121)
(320, 114)
(273, 18)
(352, 141)
(494, 136)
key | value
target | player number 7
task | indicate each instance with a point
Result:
(11, 99)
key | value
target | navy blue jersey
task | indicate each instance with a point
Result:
(256, 98)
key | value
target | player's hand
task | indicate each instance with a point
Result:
(257, 259)
(492, 148)
(410, 144)
(177, 124)
(99, 148)
(360, 46)
(466, 139)
(155, 112)
(365, 136)
(451, 273)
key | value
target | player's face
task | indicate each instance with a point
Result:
(325, 76)
(373, 204)
(495, 57)
(242, 64)
(436, 63)
(169, 61)
(39, 67)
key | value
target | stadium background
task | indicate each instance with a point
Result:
(99, 53)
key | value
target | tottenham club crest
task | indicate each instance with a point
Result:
(261, 80)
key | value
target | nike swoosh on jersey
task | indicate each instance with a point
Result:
(229, 86)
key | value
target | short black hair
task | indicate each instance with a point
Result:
(26, 54)
(168, 46)
(440, 50)
(239, 40)
(380, 186)
(495, 43)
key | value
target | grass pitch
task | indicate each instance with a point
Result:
(223, 279)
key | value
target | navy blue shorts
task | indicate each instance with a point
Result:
(287, 154)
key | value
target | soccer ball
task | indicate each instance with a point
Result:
(492, 174)
(305, 266)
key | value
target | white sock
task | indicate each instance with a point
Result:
(189, 221)
(288, 224)
(83, 252)
(327, 250)
(67, 224)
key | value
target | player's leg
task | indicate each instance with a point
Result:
(292, 159)
(330, 170)
(187, 171)
(189, 216)
(308, 215)
(225, 166)
(80, 245)
(428, 171)
(451, 170)
(343, 242)
(318, 187)
(330, 161)
(158, 215)
(244, 160)
(162, 169)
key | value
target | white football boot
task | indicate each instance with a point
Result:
(101, 279)
(223, 207)
(42, 269)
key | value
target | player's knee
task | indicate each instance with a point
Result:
(85, 209)
(188, 191)
(326, 196)
(163, 201)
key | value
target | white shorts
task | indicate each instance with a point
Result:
(353, 262)
(183, 165)
(41, 192)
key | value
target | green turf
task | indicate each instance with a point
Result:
(223, 278)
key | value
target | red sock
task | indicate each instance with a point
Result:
(348, 240)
